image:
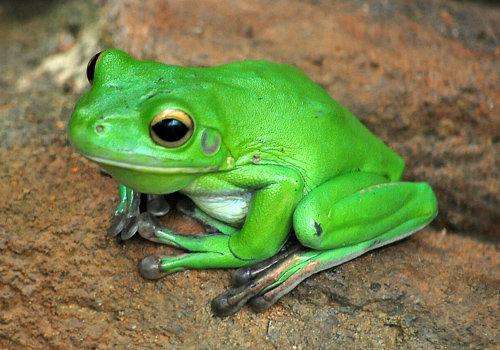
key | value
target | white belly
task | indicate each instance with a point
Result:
(229, 208)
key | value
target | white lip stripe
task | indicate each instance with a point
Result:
(151, 168)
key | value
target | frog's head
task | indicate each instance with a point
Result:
(136, 124)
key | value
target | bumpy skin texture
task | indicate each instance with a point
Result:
(267, 151)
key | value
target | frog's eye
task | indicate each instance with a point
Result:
(91, 67)
(171, 128)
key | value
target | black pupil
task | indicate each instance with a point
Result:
(170, 130)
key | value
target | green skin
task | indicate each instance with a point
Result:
(270, 152)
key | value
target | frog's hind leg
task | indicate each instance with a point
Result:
(263, 284)
(341, 220)
(382, 212)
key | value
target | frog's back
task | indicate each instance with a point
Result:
(278, 115)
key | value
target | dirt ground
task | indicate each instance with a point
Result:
(423, 76)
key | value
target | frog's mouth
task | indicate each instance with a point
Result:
(164, 169)
(152, 179)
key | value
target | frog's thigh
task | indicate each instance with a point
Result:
(359, 207)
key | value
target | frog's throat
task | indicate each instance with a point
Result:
(162, 169)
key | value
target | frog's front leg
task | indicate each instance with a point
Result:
(262, 234)
(204, 250)
(338, 221)
(126, 214)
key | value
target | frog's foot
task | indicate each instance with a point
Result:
(126, 219)
(261, 285)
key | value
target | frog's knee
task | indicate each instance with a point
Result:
(312, 235)
(310, 229)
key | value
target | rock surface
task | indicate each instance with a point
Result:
(423, 76)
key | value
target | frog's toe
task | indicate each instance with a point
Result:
(125, 221)
(124, 225)
(159, 265)
(130, 229)
(117, 224)
(157, 205)
(186, 207)
(248, 273)
(149, 226)
(262, 303)
(234, 299)
(151, 267)
(265, 300)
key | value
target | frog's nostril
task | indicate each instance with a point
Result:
(99, 128)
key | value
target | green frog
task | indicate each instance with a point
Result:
(261, 152)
